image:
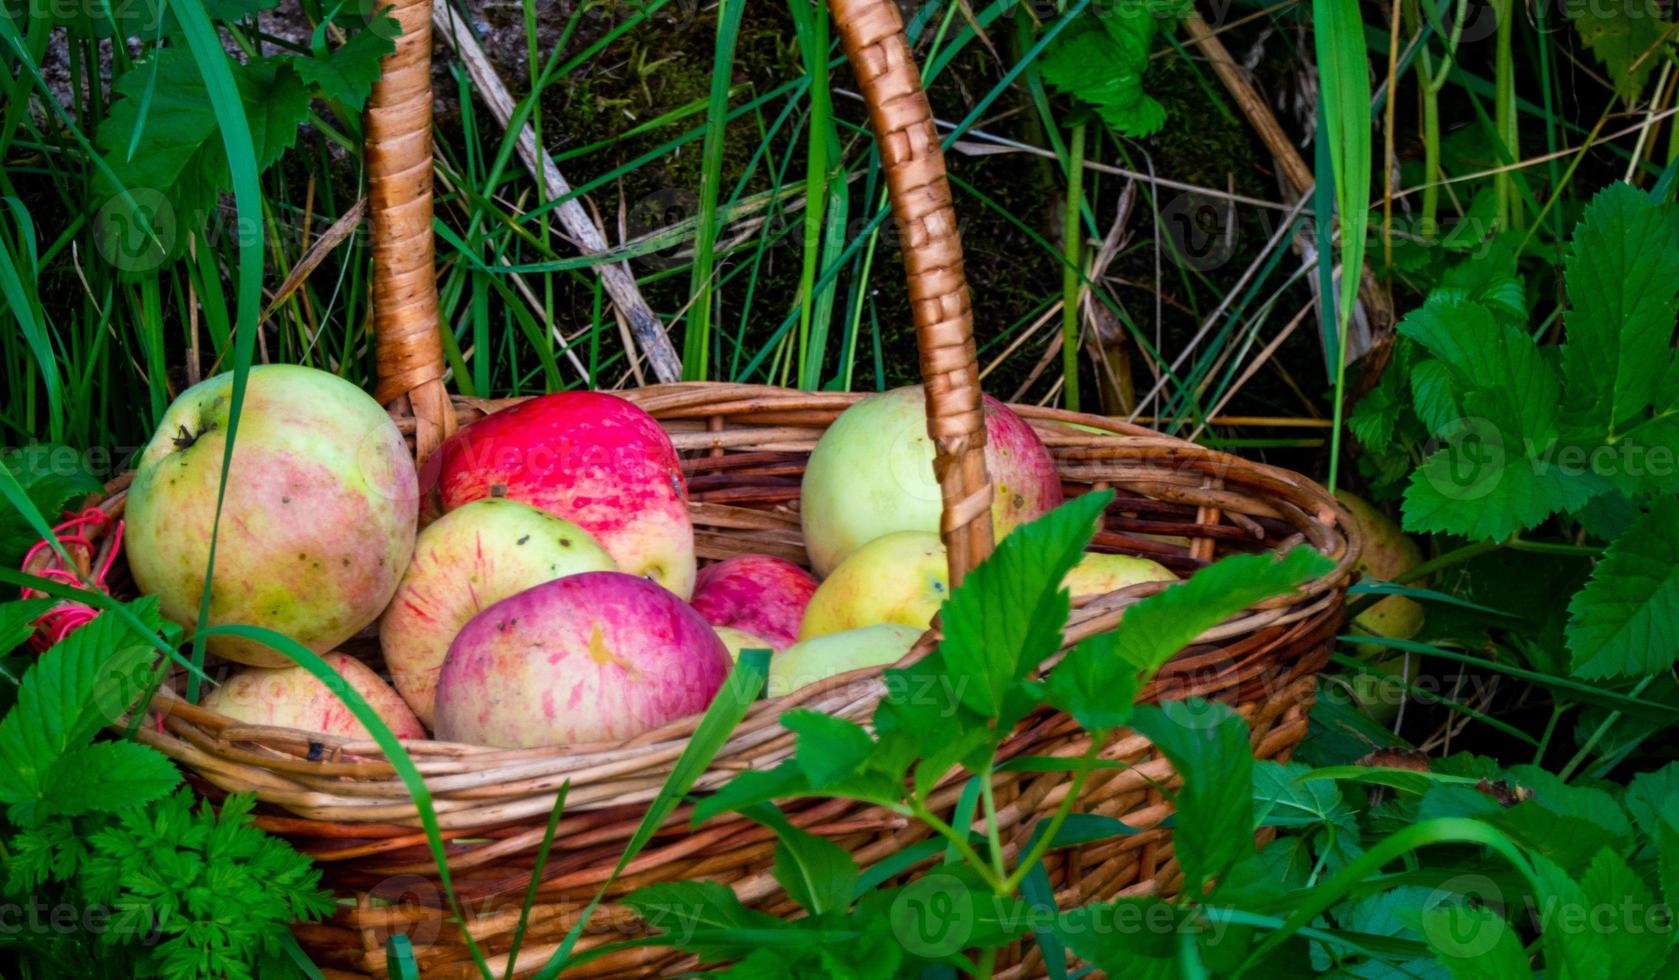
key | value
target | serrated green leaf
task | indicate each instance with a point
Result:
(1103, 63)
(169, 122)
(828, 749)
(1471, 488)
(1626, 618)
(680, 908)
(1207, 744)
(1155, 629)
(1498, 368)
(817, 873)
(1611, 886)
(1094, 683)
(1007, 615)
(1474, 943)
(17, 621)
(1622, 273)
(1123, 938)
(1622, 35)
(348, 73)
(82, 684)
(1434, 396)
(107, 776)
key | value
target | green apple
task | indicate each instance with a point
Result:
(871, 473)
(900, 578)
(317, 525)
(809, 661)
(477, 554)
(1388, 553)
(1098, 573)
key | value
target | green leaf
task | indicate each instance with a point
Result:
(1474, 943)
(1007, 615)
(1207, 744)
(85, 682)
(1626, 931)
(680, 908)
(348, 73)
(829, 749)
(17, 621)
(162, 136)
(817, 873)
(1155, 629)
(1103, 62)
(1622, 273)
(1499, 369)
(1622, 36)
(1626, 618)
(1472, 488)
(1124, 938)
(107, 776)
(1094, 684)
(54, 478)
(1434, 396)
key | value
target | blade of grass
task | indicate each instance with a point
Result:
(1345, 91)
(696, 335)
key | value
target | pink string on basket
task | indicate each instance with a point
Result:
(77, 535)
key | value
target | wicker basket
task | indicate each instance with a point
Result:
(744, 450)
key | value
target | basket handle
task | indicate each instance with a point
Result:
(410, 350)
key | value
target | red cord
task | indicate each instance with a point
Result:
(75, 534)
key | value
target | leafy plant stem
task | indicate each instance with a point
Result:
(993, 835)
(1098, 738)
(1504, 113)
(958, 840)
(987, 962)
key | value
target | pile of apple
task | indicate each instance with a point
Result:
(557, 599)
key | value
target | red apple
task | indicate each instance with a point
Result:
(291, 697)
(871, 474)
(760, 594)
(593, 657)
(595, 460)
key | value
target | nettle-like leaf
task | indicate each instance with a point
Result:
(1101, 60)
(161, 136)
(680, 909)
(347, 74)
(85, 682)
(1473, 943)
(1626, 618)
(1622, 35)
(1207, 744)
(1007, 616)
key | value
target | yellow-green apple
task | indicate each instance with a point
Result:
(871, 473)
(1387, 553)
(1099, 573)
(809, 661)
(593, 459)
(318, 522)
(737, 640)
(598, 656)
(761, 594)
(291, 697)
(475, 555)
(902, 577)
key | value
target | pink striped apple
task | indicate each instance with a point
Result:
(595, 460)
(760, 594)
(594, 657)
(475, 555)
